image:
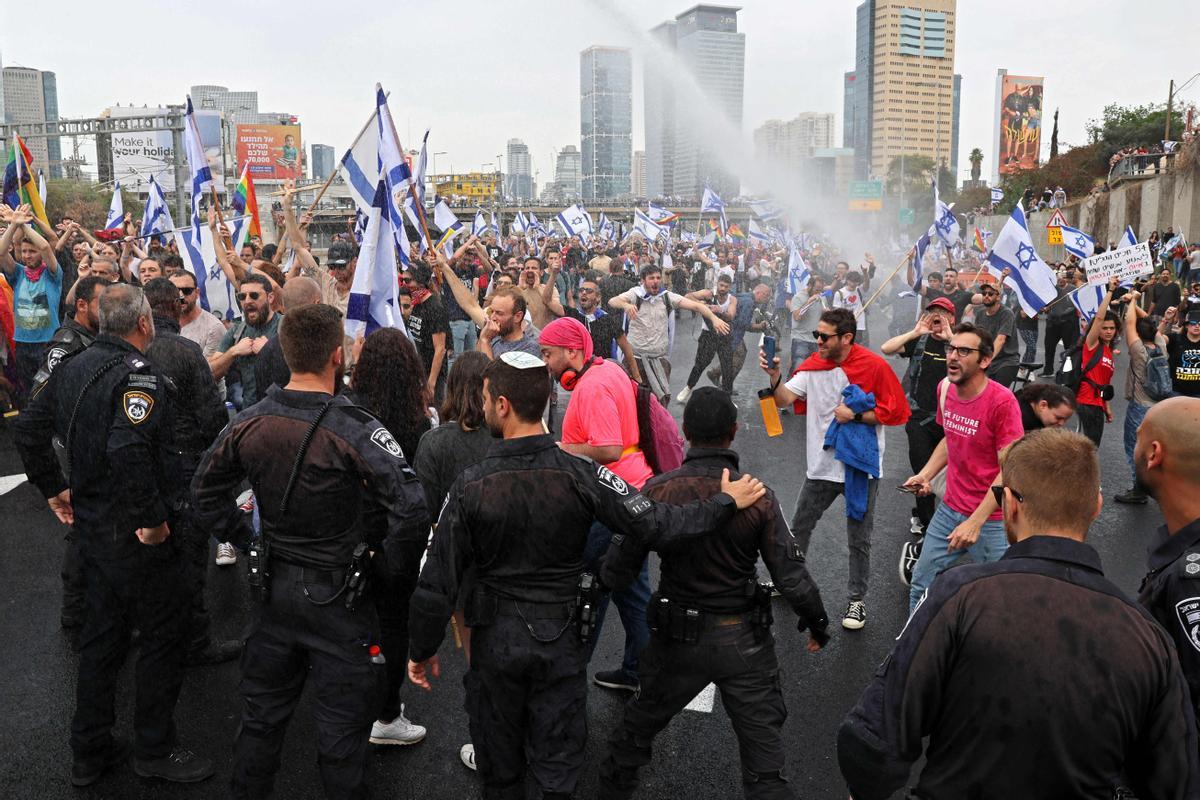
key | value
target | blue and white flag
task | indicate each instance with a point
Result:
(536, 227)
(42, 187)
(765, 210)
(446, 222)
(359, 169)
(605, 229)
(918, 261)
(415, 209)
(757, 233)
(116, 210)
(374, 301)
(1078, 243)
(1034, 282)
(495, 226)
(195, 243)
(201, 175)
(1175, 241)
(944, 221)
(643, 224)
(712, 202)
(1128, 239)
(798, 272)
(394, 171)
(1087, 300)
(518, 226)
(659, 214)
(709, 239)
(575, 221)
(479, 225)
(997, 194)
(156, 218)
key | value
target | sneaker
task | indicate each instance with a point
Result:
(915, 526)
(215, 651)
(398, 731)
(855, 616)
(684, 394)
(226, 554)
(86, 772)
(466, 754)
(615, 679)
(1134, 496)
(909, 553)
(181, 766)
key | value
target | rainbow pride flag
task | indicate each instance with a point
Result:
(735, 232)
(977, 242)
(244, 201)
(20, 183)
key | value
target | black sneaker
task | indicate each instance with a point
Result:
(181, 766)
(87, 771)
(910, 551)
(615, 679)
(856, 615)
(215, 652)
(1134, 496)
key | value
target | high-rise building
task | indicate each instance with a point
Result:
(31, 95)
(680, 160)
(518, 183)
(954, 127)
(786, 143)
(322, 161)
(902, 100)
(568, 173)
(606, 122)
(639, 173)
(2, 117)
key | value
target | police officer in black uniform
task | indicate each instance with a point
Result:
(1167, 461)
(108, 406)
(337, 501)
(511, 540)
(710, 619)
(199, 416)
(74, 336)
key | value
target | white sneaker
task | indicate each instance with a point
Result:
(398, 731)
(467, 754)
(226, 554)
(684, 394)
(856, 615)
(915, 526)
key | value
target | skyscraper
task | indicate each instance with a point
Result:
(568, 173)
(322, 161)
(606, 122)
(679, 158)
(518, 183)
(31, 95)
(954, 127)
(788, 142)
(858, 93)
(639, 173)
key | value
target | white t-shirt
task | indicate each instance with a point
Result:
(650, 334)
(851, 300)
(823, 391)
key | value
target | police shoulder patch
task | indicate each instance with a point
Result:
(383, 438)
(612, 480)
(137, 406)
(637, 505)
(54, 357)
(1188, 612)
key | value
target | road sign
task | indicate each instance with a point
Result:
(906, 216)
(866, 190)
(1057, 220)
(1054, 235)
(867, 205)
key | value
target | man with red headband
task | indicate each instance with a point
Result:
(601, 423)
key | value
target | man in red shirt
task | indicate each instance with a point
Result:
(601, 424)
(1095, 390)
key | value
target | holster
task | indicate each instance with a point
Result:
(762, 616)
(258, 569)
(358, 576)
(674, 622)
(587, 604)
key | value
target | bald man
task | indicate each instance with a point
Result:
(270, 367)
(1166, 459)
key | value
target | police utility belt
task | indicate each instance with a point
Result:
(676, 621)
(354, 580)
(546, 622)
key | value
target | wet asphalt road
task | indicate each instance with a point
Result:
(695, 757)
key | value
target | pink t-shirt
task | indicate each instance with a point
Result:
(602, 413)
(976, 431)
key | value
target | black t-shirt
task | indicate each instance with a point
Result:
(1184, 357)
(1002, 323)
(932, 370)
(604, 331)
(1163, 296)
(427, 319)
(961, 299)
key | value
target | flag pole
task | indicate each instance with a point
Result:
(412, 191)
(903, 262)
(333, 173)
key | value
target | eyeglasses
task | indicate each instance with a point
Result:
(186, 291)
(998, 493)
(990, 294)
(825, 337)
(249, 295)
(406, 280)
(586, 290)
(963, 352)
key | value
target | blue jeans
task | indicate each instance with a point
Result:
(801, 350)
(1135, 412)
(631, 603)
(464, 332)
(935, 553)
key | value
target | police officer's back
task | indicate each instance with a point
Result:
(337, 502)
(511, 538)
(108, 405)
(710, 619)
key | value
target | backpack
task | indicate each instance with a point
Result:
(658, 433)
(1158, 383)
(666, 302)
(913, 374)
(1071, 379)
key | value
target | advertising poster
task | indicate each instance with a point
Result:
(1020, 117)
(271, 151)
(136, 155)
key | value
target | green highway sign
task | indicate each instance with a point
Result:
(907, 216)
(866, 190)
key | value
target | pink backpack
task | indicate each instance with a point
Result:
(658, 433)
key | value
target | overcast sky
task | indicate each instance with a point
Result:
(481, 71)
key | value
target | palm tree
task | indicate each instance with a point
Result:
(976, 158)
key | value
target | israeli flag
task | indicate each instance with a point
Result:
(1128, 239)
(918, 261)
(496, 228)
(605, 228)
(446, 222)
(1078, 243)
(195, 243)
(1165, 252)
(518, 226)
(373, 301)
(712, 202)
(1032, 279)
(395, 173)
(116, 210)
(658, 213)
(575, 221)
(765, 210)
(798, 272)
(757, 233)
(708, 240)
(997, 194)
(643, 224)
(359, 169)
(156, 218)
(944, 221)
(414, 210)
(479, 225)
(1087, 299)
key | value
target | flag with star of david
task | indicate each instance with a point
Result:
(1078, 243)
(1031, 278)
(944, 221)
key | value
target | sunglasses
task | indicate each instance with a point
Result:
(338, 266)
(998, 493)
(187, 291)
(249, 295)
(963, 352)
(825, 337)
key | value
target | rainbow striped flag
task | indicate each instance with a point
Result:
(20, 184)
(244, 201)
(735, 232)
(977, 242)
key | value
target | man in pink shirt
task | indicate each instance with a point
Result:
(601, 424)
(980, 418)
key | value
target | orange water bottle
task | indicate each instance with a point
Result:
(770, 412)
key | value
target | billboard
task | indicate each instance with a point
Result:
(136, 155)
(1020, 123)
(271, 151)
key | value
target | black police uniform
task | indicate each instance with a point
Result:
(108, 405)
(68, 341)
(511, 541)
(710, 623)
(350, 485)
(199, 415)
(1171, 593)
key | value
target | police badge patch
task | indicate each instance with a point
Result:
(1188, 612)
(612, 481)
(54, 357)
(137, 407)
(385, 441)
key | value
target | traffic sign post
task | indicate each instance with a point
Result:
(1057, 220)
(866, 195)
(1054, 235)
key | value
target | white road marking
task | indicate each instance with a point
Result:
(10, 482)
(703, 702)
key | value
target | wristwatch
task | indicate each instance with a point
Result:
(858, 417)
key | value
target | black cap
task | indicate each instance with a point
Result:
(1193, 317)
(709, 415)
(340, 253)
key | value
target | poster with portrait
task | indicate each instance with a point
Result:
(1020, 116)
(272, 152)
